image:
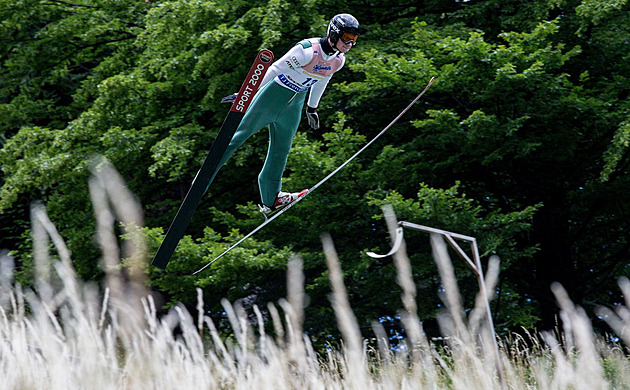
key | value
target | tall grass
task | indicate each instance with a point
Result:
(65, 334)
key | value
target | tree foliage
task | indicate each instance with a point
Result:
(521, 142)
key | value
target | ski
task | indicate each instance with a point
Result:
(202, 179)
(270, 218)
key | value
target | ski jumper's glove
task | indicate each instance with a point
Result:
(229, 98)
(313, 117)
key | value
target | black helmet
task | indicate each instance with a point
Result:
(343, 24)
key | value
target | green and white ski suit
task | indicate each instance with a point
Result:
(279, 103)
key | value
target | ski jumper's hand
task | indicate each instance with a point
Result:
(229, 98)
(313, 117)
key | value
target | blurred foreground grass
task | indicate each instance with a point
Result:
(65, 334)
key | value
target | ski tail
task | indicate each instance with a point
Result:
(201, 181)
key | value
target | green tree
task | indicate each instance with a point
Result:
(522, 119)
(53, 55)
(139, 100)
(522, 141)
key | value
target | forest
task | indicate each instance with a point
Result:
(521, 142)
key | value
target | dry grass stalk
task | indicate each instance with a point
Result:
(67, 334)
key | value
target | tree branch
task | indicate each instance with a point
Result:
(55, 2)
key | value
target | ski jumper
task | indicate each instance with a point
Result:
(279, 103)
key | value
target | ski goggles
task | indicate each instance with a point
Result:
(348, 38)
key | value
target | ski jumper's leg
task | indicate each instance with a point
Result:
(281, 133)
(262, 111)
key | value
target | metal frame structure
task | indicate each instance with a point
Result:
(474, 264)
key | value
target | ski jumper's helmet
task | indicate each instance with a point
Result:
(344, 27)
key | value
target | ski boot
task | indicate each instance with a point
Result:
(282, 199)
